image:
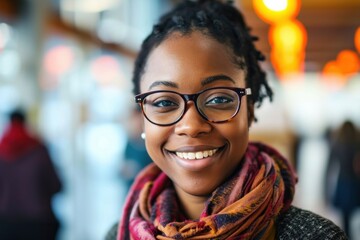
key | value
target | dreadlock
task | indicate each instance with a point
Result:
(220, 21)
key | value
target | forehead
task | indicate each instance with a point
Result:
(187, 58)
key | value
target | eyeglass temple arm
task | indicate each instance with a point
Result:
(137, 99)
(248, 91)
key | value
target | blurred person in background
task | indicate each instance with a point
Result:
(135, 156)
(345, 157)
(28, 181)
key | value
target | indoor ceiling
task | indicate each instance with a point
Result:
(330, 26)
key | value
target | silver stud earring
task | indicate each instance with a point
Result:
(143, 136)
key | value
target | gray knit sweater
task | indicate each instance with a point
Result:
(292, 225)
(300, 224)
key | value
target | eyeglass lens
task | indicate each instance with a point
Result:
(215, 105)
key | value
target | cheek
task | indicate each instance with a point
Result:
(150, 141)
(237, 133)
(155, 138)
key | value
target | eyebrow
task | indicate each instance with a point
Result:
(214, 78)
(204, 82)
(163, 83)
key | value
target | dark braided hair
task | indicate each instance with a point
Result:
(220, 21)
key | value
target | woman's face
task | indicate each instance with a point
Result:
(181, 64)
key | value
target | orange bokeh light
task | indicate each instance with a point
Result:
(287, 63)
(357, 39)
(288, 40)
(348, 62)
(275, 11)
(332, 68)
(288, 36)
(332, 75)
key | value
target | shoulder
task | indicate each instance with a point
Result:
(297, 223)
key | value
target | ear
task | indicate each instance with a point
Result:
(251, 114)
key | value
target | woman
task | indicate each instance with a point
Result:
(197, 79)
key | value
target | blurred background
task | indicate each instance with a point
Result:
(69, 64)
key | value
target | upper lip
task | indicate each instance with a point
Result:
(197, 148)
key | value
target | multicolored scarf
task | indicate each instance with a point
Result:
(244, 207)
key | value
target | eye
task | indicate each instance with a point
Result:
(221, 99)
(215, 100)
(164, 103)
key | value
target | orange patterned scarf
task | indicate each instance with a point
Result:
(244, 207)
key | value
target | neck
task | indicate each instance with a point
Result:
(192, 205)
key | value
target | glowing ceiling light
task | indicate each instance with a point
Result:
(276, 5)
(332, 68)
(357, 39)
(286, 64)
(288, 36)
(275, 11)
(348, 61)
(333, 76)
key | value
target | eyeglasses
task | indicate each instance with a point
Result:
(164, 108)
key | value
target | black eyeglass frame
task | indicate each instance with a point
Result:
(139, 98)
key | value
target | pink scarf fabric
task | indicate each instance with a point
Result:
(244, 207)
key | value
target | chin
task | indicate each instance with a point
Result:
(199, 191)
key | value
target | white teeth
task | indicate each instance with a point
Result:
(199, 155)
(191, 155)
(196, 155)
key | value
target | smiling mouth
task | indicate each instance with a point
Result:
(196, 155)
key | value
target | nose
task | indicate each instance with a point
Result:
(192, 124)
